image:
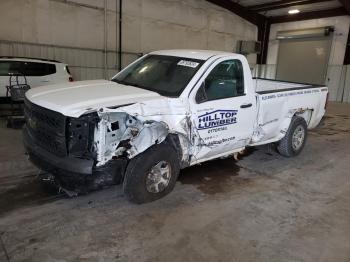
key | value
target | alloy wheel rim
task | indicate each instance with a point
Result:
(158, 177)
(298, 137)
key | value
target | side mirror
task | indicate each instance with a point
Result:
(201, 96)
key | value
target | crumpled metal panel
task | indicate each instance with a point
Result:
(141, 125)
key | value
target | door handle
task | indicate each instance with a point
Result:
(246, 105)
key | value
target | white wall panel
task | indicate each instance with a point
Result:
(335, 83)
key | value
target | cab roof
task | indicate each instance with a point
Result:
(191, 53)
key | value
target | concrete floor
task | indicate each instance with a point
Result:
(261, 208)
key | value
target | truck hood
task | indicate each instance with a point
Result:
(76, 98)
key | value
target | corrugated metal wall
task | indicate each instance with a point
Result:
(84, 63)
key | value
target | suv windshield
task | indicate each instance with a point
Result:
(166, 75)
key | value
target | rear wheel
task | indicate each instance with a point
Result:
(294, 140)
(152, 174)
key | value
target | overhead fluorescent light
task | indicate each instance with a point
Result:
(293, 11)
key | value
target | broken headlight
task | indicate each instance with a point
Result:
(80, 132)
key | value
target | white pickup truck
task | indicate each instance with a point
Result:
(166, 111)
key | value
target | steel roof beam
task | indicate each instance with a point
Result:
(309, 15)
(346, 4)
(283, 4)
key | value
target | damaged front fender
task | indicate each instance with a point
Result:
(119, 134)
(150, 134)
(126, 131)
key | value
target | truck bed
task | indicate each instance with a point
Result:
(278, 101)
(265, 86)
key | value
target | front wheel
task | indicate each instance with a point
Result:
(152, 174)
(294, 140)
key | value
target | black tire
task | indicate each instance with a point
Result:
(134, 184)
(285, 145)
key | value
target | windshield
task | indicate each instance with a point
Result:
(166, 75)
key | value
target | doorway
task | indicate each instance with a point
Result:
(304, 59)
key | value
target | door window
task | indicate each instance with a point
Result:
(224, 81)
(8, 67)
(51, 69)
(26, 68)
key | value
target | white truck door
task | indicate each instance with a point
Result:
(223, 108)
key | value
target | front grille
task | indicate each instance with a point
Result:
(46, 127)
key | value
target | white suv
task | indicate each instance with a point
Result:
(39, 72)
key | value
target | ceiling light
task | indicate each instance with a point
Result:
(293, 11)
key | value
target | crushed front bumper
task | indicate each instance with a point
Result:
(72, 173)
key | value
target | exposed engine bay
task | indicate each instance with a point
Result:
(120, 134)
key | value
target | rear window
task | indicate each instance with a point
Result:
(26, 68)
(37, 69)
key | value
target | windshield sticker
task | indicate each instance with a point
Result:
(188, 63)
(217, 118)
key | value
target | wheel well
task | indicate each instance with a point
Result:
(174, 141)
(306, 114)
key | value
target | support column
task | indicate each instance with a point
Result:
(263, 38)
(347, 51)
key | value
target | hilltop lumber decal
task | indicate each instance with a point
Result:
(217, 118)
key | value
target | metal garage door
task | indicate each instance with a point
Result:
(304, 59)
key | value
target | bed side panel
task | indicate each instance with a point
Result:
(277, 109)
